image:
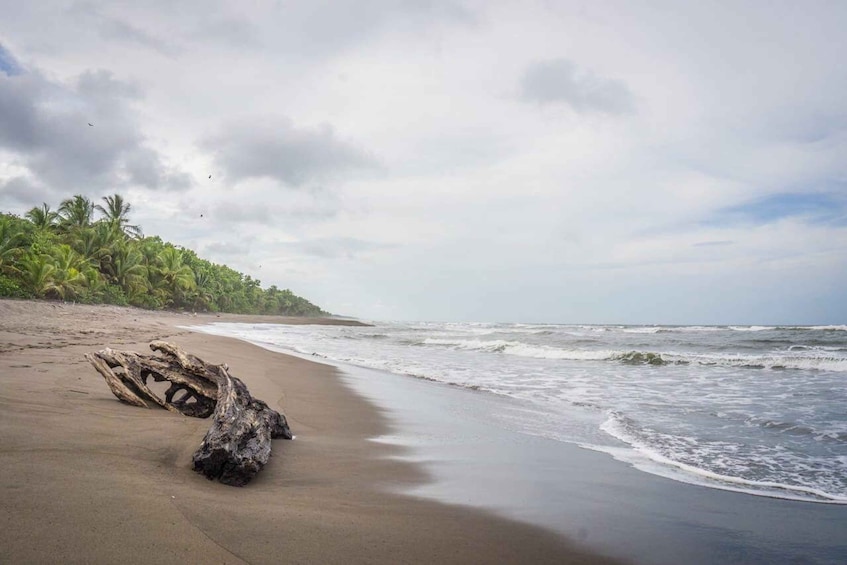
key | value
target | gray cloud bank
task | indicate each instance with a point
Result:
(562, 81)
(273, 147)
(44, 124)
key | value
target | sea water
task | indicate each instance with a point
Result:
(757, 409)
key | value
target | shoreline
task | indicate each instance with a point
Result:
(93, 480)
(464, 439)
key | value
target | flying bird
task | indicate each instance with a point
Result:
(89, 123)
(210, 176)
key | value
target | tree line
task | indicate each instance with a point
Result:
(92, 253)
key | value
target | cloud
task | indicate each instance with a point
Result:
(235, 32)
(44, 123)
(115, 29)
(17, 115)
(561, 81)
(719, 243)
(258, 207)
(107, 92)
(143, 166)
(22, 190)
(326, 27)
(442, 146)
(334, 247)
(274, 148)
(227, 249)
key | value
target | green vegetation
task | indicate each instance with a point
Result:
(69, 254)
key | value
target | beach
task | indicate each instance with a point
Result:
(88, 479)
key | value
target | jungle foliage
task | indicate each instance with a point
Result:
(89, 252)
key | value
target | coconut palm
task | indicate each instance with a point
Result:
(68, 277)
(129, 270)
(42, 217)
(203, 295)
(76, 213)
(116, 212)
(11, 240)
(87, 242)
(172, 276)
(67, 254)
(109, 239)
(36, 275)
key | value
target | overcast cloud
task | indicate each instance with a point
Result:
(271, 146)
(621, 162)
(560, 81)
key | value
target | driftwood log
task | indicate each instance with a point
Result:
(238, 444)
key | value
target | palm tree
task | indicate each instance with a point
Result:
(151, 247)
(68, 277)
(37, 274)
(202, 297)
(94, 282)
(130, 272)
(174, 277)
(89, 244)
(76, 213)
(109, 239)
(44, 218)
(10, 240)
(116, 213)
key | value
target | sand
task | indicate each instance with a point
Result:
(87, 479)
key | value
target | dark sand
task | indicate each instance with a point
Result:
(87, 479)
(465, 440)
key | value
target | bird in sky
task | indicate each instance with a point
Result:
(89, 123)
(210, 176)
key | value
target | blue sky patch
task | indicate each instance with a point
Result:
(820, 208)
(8, 64)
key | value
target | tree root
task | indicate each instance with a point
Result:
(238, 444)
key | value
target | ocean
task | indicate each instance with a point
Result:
(754, 409)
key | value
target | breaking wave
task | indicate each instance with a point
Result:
(674, 458)
(635, 357)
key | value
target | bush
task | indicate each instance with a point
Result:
(108, 294)
(9, 288)
(114, 295)
(146, 301)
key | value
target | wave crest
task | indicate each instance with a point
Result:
(646, 358)
(654, 358)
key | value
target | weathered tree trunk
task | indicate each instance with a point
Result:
(238, 444)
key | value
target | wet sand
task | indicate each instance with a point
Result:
(88, 479)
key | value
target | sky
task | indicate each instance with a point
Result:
(537, 161)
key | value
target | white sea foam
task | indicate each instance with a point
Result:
(521, 349)
(643, 330)
(646, 457)
(828, 363)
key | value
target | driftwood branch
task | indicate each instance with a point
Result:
(238, 444)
